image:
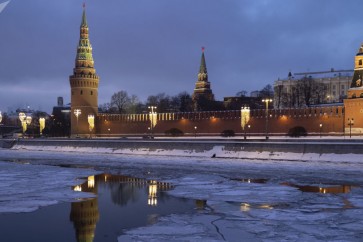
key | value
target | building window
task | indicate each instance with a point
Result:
(81, 92)
(360, 62)
(333, 87)
(343, 87)
(334, 93)
(91, 92)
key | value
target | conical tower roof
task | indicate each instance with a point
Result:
(203, 66)
(84, 19)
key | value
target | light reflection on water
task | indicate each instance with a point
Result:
(123, 190)
(120, 203)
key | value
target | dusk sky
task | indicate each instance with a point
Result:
(146, 47)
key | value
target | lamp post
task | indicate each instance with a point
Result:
(320, 128)
(22, 118)
(245, 117)
(91, 123)
(109, 132)
(153, 119)
(267, 101)
(249, 130)
(27, 121)
(350, 123)
(41, 125)
(195, 131)
(77, 112)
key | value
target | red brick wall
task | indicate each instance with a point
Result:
(213, 123)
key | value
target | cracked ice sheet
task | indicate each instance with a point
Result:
(256, 212)
(25, 187)
(198, 227)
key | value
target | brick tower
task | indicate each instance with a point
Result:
(84, 85)
(202, 91)
(354, 102)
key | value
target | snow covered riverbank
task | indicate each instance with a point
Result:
(235, 207)
(327, 151)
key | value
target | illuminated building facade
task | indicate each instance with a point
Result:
(315, 119)
(354, 103)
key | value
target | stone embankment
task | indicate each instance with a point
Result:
(297, 149)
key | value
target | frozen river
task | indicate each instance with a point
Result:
(227, 199)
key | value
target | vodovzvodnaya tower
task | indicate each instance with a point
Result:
(84, 85)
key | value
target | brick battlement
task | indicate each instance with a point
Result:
(231, 114)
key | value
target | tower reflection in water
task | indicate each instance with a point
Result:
(85, 213)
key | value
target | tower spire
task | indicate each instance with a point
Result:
(203, 66)
(202, 91)
(84, 19)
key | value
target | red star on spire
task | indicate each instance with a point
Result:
(203, 49)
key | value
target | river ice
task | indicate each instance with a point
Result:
(240, 200)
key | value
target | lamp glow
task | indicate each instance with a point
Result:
(41, 125)
(91, 122)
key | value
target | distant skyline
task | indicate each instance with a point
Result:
(148, 47)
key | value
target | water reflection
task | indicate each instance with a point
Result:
(84, 216)
(123, 189)
(321, 189)
(245, 180)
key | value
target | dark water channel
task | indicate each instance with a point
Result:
(121, 203)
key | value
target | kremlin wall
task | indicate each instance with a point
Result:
(86, 121)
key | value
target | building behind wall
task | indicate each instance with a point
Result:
(330, 87)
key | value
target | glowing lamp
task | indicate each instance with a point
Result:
(41, 125)
(91, 122)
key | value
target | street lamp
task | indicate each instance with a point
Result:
(91, 123)
(350, 123)
(109, 132)
(195, 131)
(321, 127)
(267, 101)
(41, 125)
(77, 112)
(22, 118)
(153, 119)
(249, 130)
(245, 118)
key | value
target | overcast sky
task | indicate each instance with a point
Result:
(146, 47)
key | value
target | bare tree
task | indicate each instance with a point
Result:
(120, 100)
(267, 91)
(242, 93)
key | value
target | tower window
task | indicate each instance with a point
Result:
(91, 92)
(81, 92)
(360, 62)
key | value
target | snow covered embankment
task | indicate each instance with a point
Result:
(216, 151)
